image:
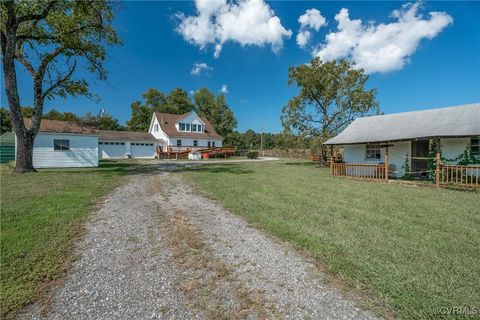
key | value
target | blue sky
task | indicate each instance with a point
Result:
(442, 70)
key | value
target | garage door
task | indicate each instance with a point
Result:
(142, 150)
(111, 150)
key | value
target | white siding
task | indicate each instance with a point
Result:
(453, 147)
(190, 118)
(188, 142)
(134, 148)
(107, 150)
(83, 151)
(396, 155)
(146, 151)
(159, 134)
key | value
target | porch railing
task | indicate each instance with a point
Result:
(466, 176)
(363, 171)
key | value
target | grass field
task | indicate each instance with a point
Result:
(405, 250)
(41, 214)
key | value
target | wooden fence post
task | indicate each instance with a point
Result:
(386, 163)
(437, 169)
(331, 160)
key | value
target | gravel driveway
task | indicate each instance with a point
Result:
(159, 250)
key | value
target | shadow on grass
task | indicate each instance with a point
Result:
(136, 168)
(212, 168)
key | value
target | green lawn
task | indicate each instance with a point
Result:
(41, 214)
(405, 250)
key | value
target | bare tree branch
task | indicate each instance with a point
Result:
(24, 61)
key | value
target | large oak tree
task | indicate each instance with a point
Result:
(216, 110)
(332, 94)
(51, 40)
(176, 102)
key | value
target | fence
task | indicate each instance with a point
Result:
(363, 171)
(465, 176)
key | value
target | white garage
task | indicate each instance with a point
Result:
(111, 149)
(124, 144)
(142, 149)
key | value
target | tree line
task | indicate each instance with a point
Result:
(205, 103)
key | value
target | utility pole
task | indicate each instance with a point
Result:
(100, 114)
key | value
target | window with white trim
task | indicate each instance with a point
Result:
(156, 127)
(187, 126)
(372, 152)
(194, 127)
(181, 126)
(179, 143)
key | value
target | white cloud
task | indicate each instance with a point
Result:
(311, 19)
(302, 38)
(198, 68)
(382, 47)
(224, 89)
(248, 22)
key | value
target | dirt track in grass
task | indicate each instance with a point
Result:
(159, 250)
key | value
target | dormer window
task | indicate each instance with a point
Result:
(194, 127)
(187, 127)
(181, 126)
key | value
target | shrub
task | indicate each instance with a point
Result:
(252, 155)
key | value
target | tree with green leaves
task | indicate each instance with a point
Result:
(5, 123)
(50, 40)
(102, 122)
(332, 94)
(176, 102)
(216, 110)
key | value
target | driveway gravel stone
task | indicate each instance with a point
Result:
(130, 268)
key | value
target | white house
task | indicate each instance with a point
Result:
(186, 131)
(409, 137)
(64, 144)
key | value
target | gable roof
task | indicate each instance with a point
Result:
(58, 126)
(457, 121)
(167, 124)
(125, 135)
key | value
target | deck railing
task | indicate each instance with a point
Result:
(363, 171)
(465, 176)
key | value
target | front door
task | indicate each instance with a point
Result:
(420, 149)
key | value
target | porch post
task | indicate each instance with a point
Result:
(386, 162)
(331, 160)
(437, 164)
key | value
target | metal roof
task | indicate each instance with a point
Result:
(455, 121)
